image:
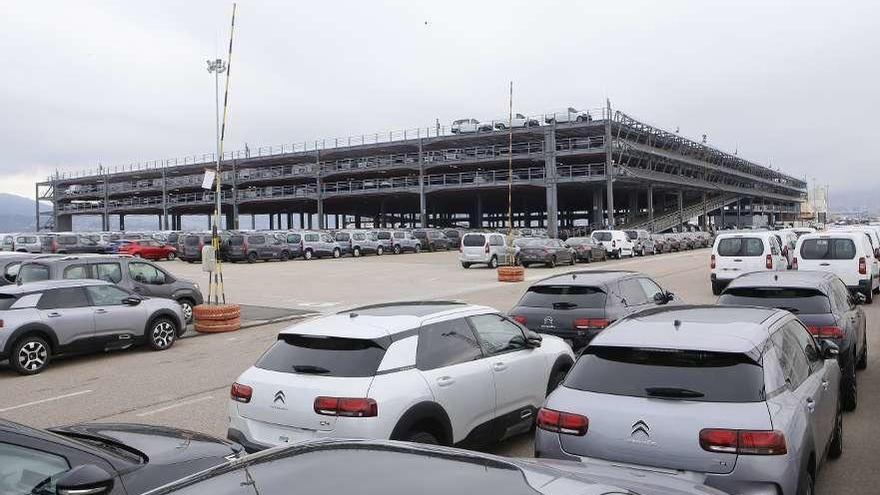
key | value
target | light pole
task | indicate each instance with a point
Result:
(217, 67)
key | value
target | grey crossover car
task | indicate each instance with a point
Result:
(137, 275)
(586, 250)
(823, 303)
(404, 241)
(547, 252)
(743, 397)
(359, 242)
(48, 319)
(577, 306)
(254, 246)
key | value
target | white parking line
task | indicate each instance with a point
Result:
(172, 406)
(43, 401)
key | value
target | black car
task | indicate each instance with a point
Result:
(586, 250)
(576, 306)
(392, 468)
(546, 251)
(92, 459)
(433, 239)
(823, 304)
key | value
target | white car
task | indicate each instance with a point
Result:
(616, 243)
(744, 252)
(519, 120)
(568, 116)
(466, 126)
(434, 372)
(848, 255)
(489, 249)
(787, 239)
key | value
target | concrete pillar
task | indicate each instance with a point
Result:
(651, 206)
(253, 222)
(598, 209)
(121, 222)
(633, 211)
(738, 212)
(609, 168)
(680, 207)
(550, 181)
(423, 199)
(309, 220)
(271, 221)
(704, 221)
(230, 219)
(357, 220)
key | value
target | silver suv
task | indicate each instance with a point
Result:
(358, 242)
(742, 396)
(48, 319)
(643, 242)
(319, 245)
(404, 241)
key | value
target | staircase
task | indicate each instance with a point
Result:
(668, 220)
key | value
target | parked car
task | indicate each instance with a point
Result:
(432, 239)
(454, 236)
(642, 241)
(255, 246)
(568, 116)
(577, 306)
(405, 241)
(686, 241)
(139, 276)
(846, 254)
(358, 242)
(464, 126)
(192, 244)
(32, 243)
(822, 302)
(124, 459)
(736, 253)
(7, 242)
(47, 319)
(787, 239)
(743, 397)
(547, 252)
(10, 264)
(661, 244)
(319, 245)
(149, 249)
(587, 250)
(314, 467)
(386, 239)
(616, 243)
(519, 121)
(435, 372)
(486, 248)
(674, 242)
(294, 242)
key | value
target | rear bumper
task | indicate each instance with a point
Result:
(250, 447)
(864, 286)
(578, 337)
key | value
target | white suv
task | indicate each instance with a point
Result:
(616, 243)
(433, 372)
(849, 255)
(744, 252)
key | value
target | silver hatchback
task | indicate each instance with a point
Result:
(742, 396)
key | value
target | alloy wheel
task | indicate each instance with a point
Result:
(33, 355)
(163, 335)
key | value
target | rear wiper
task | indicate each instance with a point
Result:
(310, 369)
(564, 305)
(673, 392)
(790, 309)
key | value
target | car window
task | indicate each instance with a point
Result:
(311, 237)
(446, 343)
(842, 294)
(32, 272)
(68, 297)
(796, 300)
(326, 238)
(76, 272)
(11, 271)
(650, 288)
(294, 238)
(324, 356)
(146, 273)
(257, 240)
(341, 236)
(106, 295)
(792, 359)
(632, 292)
(399, 235)
(498, 334)
(774, 246)
(828, 249)
(359, 237)
(563, 296)
(473, 240)
(806, 343)
(602, 236)
(741, 246)
(109, 272)
(24, 470)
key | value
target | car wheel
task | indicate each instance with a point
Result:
(493, 263)
(308, 254)
(552, 263)
(380, 251)
(397, 249)
(806, 484)
(849, 391)
(863, 359)
(525, 265)
(422, 437)
(171, 256)
(835, 450)
(337, 253)
(285, 256)
(162, 335)
(869, 296)
(252, 257)
(418, 248)
(465, 265)
(716, 288)
(186, 307)
(30, 355)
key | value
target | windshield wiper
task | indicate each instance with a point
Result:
(317, 370)
(673, 392)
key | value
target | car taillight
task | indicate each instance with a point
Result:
(562, 422)
(519, 319)
(794, 263)
(1, 323)
(241, 393)
(769, 262)
(302, 245)
(712, 262)
(826, 332)
(863, 266)
(587, 323)
(345, 406)
(743, 442)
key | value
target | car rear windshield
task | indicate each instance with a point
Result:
(632, 234)
(325, 356)
(602, 236)
(828, 249)
(33, 273)
(6, 301)
(668, 374)
(568, 296)
(191, 240)
(808, 301)
(474, 240)
(236, 240)
(741, 246)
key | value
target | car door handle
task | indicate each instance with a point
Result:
(499, 366)
(824, 264)
(53, 315)
(100, 311)
(445, 381)
(811, 405)
(737, 261)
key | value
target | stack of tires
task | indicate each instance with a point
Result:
(511, 274)
(217, 318)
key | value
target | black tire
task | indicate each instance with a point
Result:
(869, 296)
(308, 254)
(252, 257)
(525, 264)
(186, 305)
(465, 265)
(493, 263)
(161, 334)
(849, 390)
(397, 249)
(285, 256)
(30, 355)
(380, 251)
(716, 288)
(552, 262)
(806, 485)
(422, 437)
(617, 254)
(432, 247)
(835, 449)
(356, 252)
(418, 248)
(337, 253)
(863, 359)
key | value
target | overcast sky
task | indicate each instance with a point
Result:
(792, 83)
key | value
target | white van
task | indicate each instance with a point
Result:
(744, 252)
(616, 243)
(489, 249)
(849, 255)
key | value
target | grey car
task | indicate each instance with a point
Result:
(547, 252)
(359, 242)
(255, 246)
(53, 318)
(9, 265)
(577, 306)
(31, 243)
(586, 250)
(404, 241)
(70, 243)
(133, 274)
(643, 242)
(294, 242)
(319, 245)
(742, 396)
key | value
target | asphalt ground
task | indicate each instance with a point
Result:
(187, 386)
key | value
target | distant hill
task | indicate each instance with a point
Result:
(17, 213)
(854, 199)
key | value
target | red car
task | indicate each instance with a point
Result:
(148, 249)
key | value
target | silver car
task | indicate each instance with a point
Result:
(403, 241)
(742, 396)
(43, 320)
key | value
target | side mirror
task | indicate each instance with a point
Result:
(533, 339)
(877, 253)
(859, 298)
(669, 296)
(829, 349)
(660, 298)
(131, 301)
(87, 479)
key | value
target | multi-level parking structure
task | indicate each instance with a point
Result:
(608, 169)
